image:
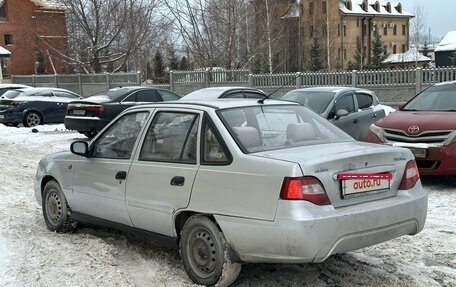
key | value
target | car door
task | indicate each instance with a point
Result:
(366, 114)
(161, 178)
(349, 122)
(99, 181)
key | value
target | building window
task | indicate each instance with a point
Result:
(8, 39)
(357, 22)
(338, 30)
(345, 30)
(403, 48)
(394, 49)
(2, 10)
(394, 30)
(403, 30)
(345, 54)
(311, 8)
(311, 31)
(385, 30)
(323, 7)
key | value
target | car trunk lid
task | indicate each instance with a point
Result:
(331, 163)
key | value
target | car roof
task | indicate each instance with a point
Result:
(334, 89)
(215, 104)
(14, 86)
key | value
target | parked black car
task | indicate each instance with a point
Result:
(225, 93)
(35, 106)
(91, 114)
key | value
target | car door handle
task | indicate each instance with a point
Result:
(177, 181)
(121, 175)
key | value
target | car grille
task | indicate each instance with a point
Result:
(429, 137)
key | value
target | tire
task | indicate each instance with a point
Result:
(205, 253)
(32, 119)
(56, 212)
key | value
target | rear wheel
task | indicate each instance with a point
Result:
(205, 253)
(32, 119)
(56, 211)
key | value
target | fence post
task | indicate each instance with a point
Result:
(171, 80)
(108, 81)
(250, 80)
(207, 76)
(418, 80)
(56, 84)
(81, 92)
(298, 80)
(354, 78)
(138, 78)
(33, 80)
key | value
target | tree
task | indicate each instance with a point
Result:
(378, 51)
(316, 63)
(159, 68)
(184, 64)
(418, 26)
(358, 61)
(109, 35)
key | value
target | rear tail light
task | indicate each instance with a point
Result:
(94, 108)
(15, 104)
(411, 176)
(304, 188)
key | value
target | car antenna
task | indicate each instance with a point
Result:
(261, 101)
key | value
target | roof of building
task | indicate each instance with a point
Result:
(410, 56)
(373, 8)
(49, 4)
(448, 43)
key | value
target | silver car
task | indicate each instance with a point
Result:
(235, 181)
(351, 109)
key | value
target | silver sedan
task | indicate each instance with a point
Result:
(234, 181)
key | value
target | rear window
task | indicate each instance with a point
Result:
(278, 127)
(11, 94)
(315, 100)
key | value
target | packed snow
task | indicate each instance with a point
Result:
(31, 255)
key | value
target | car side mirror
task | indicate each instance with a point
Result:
(341, 113)
(80, 148)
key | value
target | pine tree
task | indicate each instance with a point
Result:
(316, 63)
(159, 68)
(184, 64)
(378, 51)
(173, 61)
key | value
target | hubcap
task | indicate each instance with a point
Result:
(54, 208)
(203, 252)
(33, 120)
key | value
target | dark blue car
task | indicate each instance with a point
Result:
(35, 106)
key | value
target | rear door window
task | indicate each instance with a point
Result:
(365, 101)
(148, 96)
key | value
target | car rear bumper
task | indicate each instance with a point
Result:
(10, 117)
(84, 124)
(303, 232)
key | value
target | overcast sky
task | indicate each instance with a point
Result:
(439, 14)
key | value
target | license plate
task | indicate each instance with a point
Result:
(418, 152)
(357, 184)
(79, 112)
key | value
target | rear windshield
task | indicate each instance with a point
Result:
(112, 94)
(12, 94)
(436, 98)
(263, 128)
(315, 100)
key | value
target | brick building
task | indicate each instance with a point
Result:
(341, 28)
(34, 31)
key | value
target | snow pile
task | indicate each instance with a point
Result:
(33, 256)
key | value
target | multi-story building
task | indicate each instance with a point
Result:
(34, 31)
(343, 30)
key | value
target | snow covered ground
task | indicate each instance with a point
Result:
(30, 255)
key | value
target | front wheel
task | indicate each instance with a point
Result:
(32, 119)
(56, 211)
(205, 253)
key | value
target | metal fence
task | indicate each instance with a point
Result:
(187, 81)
